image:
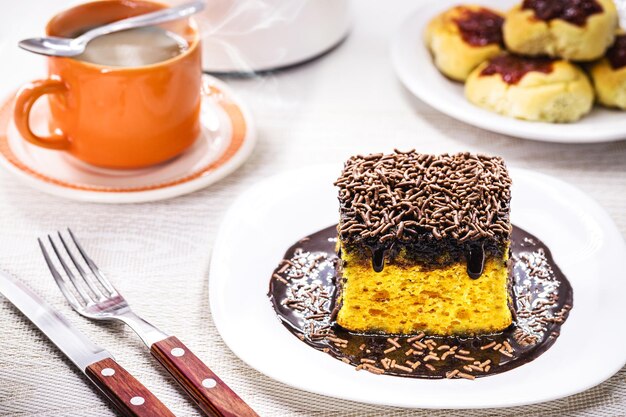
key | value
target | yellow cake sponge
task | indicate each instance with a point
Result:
(407, 300)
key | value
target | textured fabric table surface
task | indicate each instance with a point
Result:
(158, 254)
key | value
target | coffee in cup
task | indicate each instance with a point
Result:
(134, 47)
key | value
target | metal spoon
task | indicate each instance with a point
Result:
(57, 46)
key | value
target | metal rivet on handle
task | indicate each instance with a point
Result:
(107, 372)
(209, 383)
(178, 352)
(137, 401)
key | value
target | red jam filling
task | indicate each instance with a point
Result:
(512, 68)
(617, 53)
(480, 27)
(575, 12)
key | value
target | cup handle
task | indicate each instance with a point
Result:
(26, 97)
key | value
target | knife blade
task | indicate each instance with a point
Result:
(126, 393)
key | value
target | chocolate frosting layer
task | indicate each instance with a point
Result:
(430, 205)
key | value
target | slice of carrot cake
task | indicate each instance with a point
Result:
(424, 244)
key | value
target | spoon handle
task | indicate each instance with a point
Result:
(148, 19)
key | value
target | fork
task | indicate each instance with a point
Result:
(98, 299)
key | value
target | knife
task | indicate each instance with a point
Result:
(125, 392)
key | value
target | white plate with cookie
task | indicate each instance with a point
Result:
(415, 67)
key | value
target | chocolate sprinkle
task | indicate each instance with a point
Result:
(403, 194)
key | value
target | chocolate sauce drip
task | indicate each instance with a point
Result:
(378, 258)
(617, 53)
(475, 259)
(480, 27)
(575, 12)
(303, 291)
(513, 68)
(475, 262)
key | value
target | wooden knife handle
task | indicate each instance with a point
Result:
(129, 395)
(211, 394)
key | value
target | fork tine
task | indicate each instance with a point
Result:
(83, 294)
(58, 279)
(96, 291)
(92, 265)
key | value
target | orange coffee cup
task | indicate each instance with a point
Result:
(117, 117)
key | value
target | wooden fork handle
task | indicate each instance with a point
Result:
(126, 393)
(211, 394)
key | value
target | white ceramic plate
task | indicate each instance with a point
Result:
(266, 220)
(226, 140)
(415, 68)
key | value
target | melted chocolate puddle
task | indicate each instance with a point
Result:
(303, 287)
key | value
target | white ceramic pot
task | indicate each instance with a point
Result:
(261, 35)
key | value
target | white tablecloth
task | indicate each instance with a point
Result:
(158, 254)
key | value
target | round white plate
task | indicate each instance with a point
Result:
(416, 70)
(226, 141)
(266, 220)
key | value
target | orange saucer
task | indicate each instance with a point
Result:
(226, 141)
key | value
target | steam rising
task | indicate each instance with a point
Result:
(234, 18)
